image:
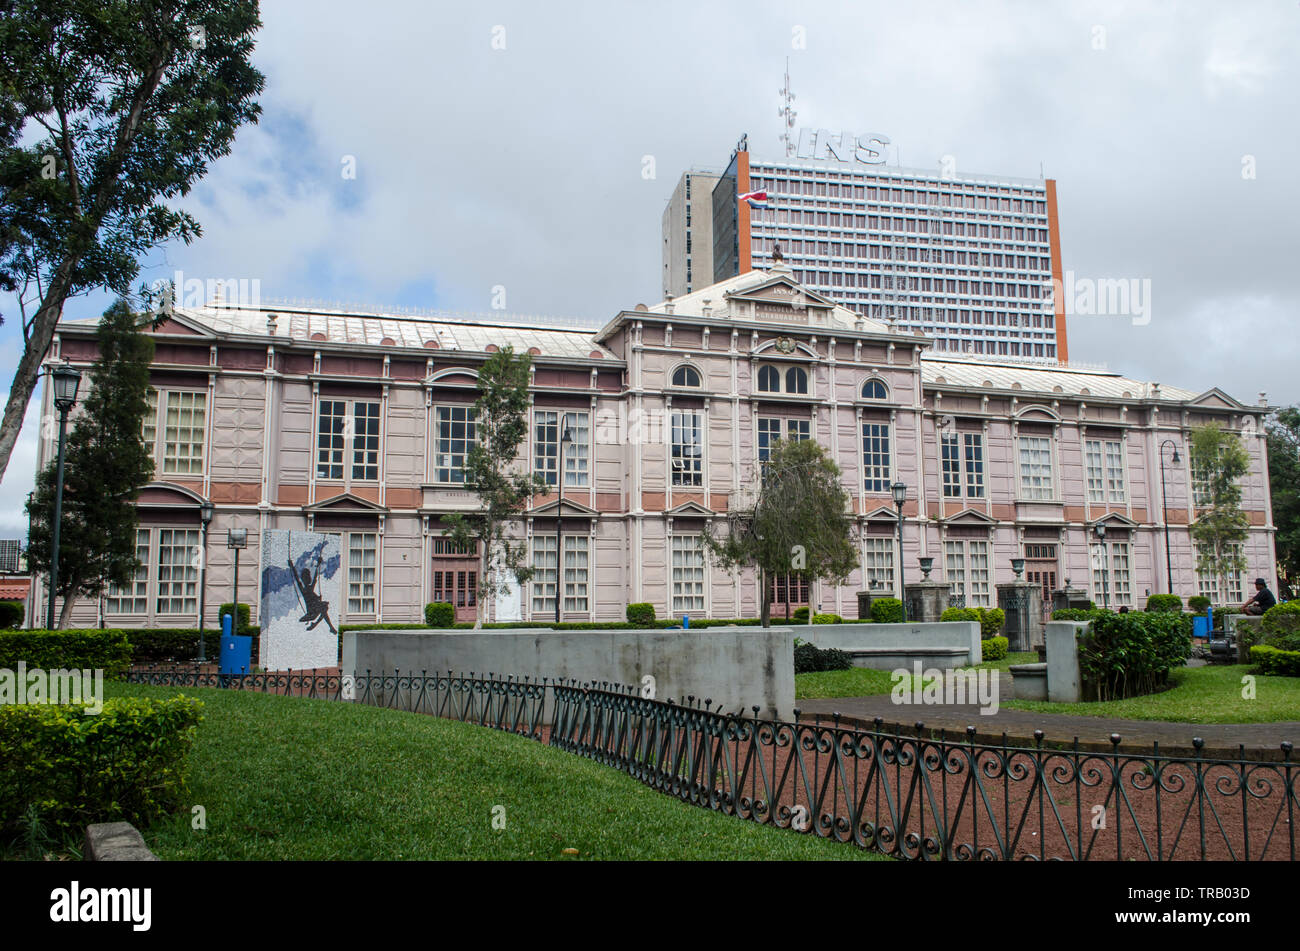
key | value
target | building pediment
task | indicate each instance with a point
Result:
(566, 509)
(691, 508)
(1037, 411)
(177, 324)
(1215, 398)
(345, 504)
(1115, 520)
(880, 513)
(970, 517)
(167, 495)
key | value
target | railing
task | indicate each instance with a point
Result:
(908, 795)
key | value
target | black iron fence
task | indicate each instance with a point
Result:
(917, 795)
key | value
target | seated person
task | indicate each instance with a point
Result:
(1262, 601)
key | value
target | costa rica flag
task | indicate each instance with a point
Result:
(756, 199)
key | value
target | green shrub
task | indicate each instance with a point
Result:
(811, 659)
(1198, 603)
(241, 622)
(800, 615)
(887, 611)
(125, 764)
(1280, 620)
(1127, 655)
(1078, 614)
(827, 619)
(641, 614)
(959, 614)
(11, 614)
(1270, 660)
(171, 645)
(991, 620)
(1164, 602)
(994, 648)
(439, 614)
(65, 650)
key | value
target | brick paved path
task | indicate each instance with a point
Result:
(1261, 740)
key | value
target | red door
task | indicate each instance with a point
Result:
(455, 579)
(788, 592)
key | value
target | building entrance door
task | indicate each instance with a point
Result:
(788, 592)
(455, 579)
(1040, 567)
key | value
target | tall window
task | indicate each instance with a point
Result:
(1112, 577)
(796, 380)
(1208, 584)
(544, 574)
(179, 451)
(771, 428)
(1036, 468)
(548, 425)
(456, 433)
(875, 456)
(178, 571)
(967, 570)
(575, 572)
(961, 457)
(769, 380)
(132, 598)
(1201, 488)
(688, 449)
(688, 574)
(361, 572)
(878, 554)
(337, 422)
(1104, 470)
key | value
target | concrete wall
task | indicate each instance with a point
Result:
(735, 668)
(889, 646)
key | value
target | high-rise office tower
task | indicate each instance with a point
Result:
(688, 234)
(968, 259)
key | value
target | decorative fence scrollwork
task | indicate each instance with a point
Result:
(916, 795)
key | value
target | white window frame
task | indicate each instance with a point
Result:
(1046, 491)
(546, 454)
(878, 562)
(545, 573)
(688, 574)
(362, 590)
(877, 465)
(154, 431)
(185, 588)
(444, 474)
(352, 443)
(137, 589)
(577, 573)
(1103, 465)
(687, 434)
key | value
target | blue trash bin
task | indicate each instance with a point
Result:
(236, 650)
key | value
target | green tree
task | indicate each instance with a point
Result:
(1283, 433)
(500, 426)
(105, 465)
(110, 110)
(1218, 461)
(797, 522)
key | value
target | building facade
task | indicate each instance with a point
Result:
(969, 260)
(687, 229)
(358, 424)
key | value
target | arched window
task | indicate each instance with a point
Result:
(686, 376)
(796, 380)
(874, 390)
(769, 380)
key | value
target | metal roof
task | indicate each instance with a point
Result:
(1050, 380)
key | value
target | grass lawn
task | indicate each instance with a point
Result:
(286, 778)
(862, 682)
(1210, 694)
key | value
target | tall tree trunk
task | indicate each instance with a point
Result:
(480, 606)
(69, 602)
(29, 366)
(765, 606)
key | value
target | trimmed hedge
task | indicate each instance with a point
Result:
(1127, 655)
(1164, 602)
(125, 764)
(1079, 614)
(800, 616)
(959, 614)
(1270, 660)
(811, 659)
(440, 614)
(642, 614)
(887, 611)
(1198, 603)
(241, 622)
(154, 645)
(108, 650)
(990, 620)
(827, 619)
(11, 614)
(1280, 620)
(994, 648)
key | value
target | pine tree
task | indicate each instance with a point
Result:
(106, 463)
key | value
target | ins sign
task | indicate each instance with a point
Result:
(868, 148)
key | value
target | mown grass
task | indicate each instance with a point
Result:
(287, 778)
(855, 682)
(1210, 694)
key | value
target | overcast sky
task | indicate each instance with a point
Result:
(505, 144)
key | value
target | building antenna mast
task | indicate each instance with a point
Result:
(786, 112)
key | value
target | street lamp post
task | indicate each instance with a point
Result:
(1105, 594)
(899, 489)
(66, 380)
(565, 437)
(1164, 515)
(236, 539)
(206, 509)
